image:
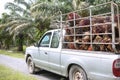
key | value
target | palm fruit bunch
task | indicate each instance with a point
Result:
(71, 17)
(81, 26)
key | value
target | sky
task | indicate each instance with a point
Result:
(2, 4)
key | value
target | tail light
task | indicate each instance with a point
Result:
(116, 68)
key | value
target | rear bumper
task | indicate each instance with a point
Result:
(102, 77)
(118, 78)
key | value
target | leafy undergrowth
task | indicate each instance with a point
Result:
(10, 74)
(12, 53)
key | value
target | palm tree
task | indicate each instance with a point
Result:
(43, 11)
(4, 33)
(35, 15)
(19, 21)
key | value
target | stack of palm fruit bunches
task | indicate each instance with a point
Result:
(79, 31)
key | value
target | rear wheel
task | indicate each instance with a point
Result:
(31, 66)
(77, 73)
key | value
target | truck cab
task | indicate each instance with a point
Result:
(46, 54)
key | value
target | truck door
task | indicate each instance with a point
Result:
(54, 53)
(44, 49)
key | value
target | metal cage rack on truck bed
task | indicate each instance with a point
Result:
(95, 28)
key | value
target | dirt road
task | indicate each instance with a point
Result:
(20, 65)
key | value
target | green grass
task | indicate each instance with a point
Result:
(12, 53)
(10, 74)
(15, 48)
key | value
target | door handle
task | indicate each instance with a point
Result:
(46, 53)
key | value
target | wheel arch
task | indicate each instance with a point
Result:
(28, 55)
(72, 68)
(81, 66)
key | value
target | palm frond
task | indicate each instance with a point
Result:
(10, 6)
(23, 2)
(14, 8)
(2, 26)
(20, 27)
(38, 6)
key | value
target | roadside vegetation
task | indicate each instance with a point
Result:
(9, 74)
(12, 53)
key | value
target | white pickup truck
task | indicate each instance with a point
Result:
(76, 64)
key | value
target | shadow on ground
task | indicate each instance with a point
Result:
(50, 76)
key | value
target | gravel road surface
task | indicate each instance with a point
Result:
(20, 65)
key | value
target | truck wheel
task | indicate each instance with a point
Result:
(77, 73)
(31, 65)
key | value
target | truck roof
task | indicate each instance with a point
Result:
(53, 30)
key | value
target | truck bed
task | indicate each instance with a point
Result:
(98, 65)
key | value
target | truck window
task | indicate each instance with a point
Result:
(45, 40)
(55, 40)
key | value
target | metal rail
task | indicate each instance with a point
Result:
(89, 43)
(111, 15)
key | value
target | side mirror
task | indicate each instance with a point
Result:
(36, 44)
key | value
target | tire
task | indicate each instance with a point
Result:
(31, 65)
(77, 73)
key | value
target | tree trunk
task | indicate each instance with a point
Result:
(7, 47)
(20, 42)
(0, 44)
